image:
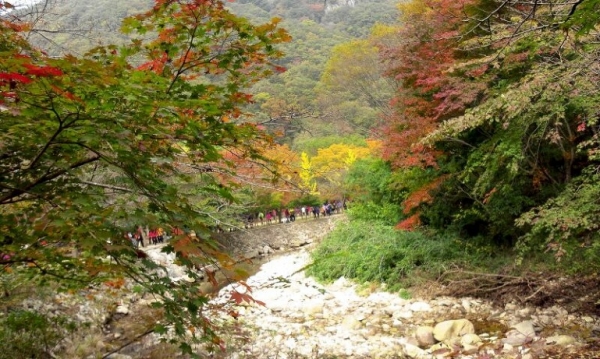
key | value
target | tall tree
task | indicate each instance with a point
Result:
(91, 147)
(533, 133)
(352, 88)
(422, 63)
(501, 97)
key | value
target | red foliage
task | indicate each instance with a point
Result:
(517, 58)
(117, 283)
(157, 64)
(428, 93)
(239, 298)
(42, 71)
(280, 69)
(478, 71)
(64, 93)
(10, 77)
(414, 200)
(422, 195)
(410, 223)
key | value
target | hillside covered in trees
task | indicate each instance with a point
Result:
(460, 134)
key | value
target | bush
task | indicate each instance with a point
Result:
(386, 213)
(373, 251)
(28, 334)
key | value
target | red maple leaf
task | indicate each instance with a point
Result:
(14, 77)
(243, 297)
(42, 71)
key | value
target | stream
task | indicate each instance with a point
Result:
(302, 318)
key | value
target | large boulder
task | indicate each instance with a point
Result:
(521, 333)
(562, 340)
(453, 329)
(424, 336)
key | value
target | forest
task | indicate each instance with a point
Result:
(462, 134)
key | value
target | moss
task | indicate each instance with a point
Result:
(490, 326)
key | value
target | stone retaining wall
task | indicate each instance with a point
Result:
(267, 239)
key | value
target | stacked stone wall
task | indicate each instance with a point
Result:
(267, 239)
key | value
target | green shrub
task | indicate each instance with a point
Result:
(386, 213)
(373, 251)
(31, 335)
(566, 226)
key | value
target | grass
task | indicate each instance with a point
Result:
(30, 334)
(371, 251)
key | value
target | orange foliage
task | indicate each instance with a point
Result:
(422, 195)
(117, 283)
(410, 223)
(414, 200)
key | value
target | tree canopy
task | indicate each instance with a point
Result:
(125, 136)
(500, 100)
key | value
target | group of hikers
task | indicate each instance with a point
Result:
(144, 235)
(289, 214)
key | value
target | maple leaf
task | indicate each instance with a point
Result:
(211, 277)
(42, 71)
(14, 77)
(239, 298)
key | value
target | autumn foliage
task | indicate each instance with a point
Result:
(138, 134)
(422, 63)
(495, 110)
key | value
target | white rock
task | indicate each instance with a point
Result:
(470, 339)
(361, 316)
(313, 308)
(441, 351)
(525, 328)
(471, 348)
(420, 307)
(452, 329)
(507, 347)
(526, 312)
(403, 315)
(413, 351)
(267, 250)
(516, 338)
(122, 309)
(424, 336)
(344, 325)
(290, 343)
(562, 340)
(466, 304)
(351, 323)
(390, 310)
(587, 319)
(341, 283)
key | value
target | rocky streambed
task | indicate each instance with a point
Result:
(301, 318)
